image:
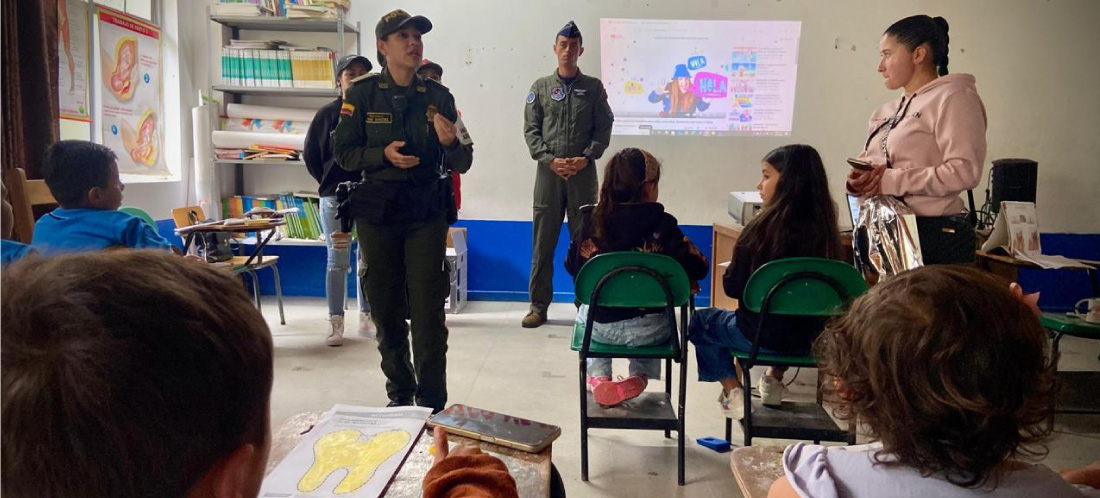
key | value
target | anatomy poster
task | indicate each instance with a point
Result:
(353, 452)
(72, 50)
(131, 88)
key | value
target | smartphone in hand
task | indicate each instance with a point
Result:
(860, 164)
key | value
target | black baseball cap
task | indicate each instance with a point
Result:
(398, 19)
(427, 64)
(348, 60)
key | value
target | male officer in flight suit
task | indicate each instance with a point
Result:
(567, 124)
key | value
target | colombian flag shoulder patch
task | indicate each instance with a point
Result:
(347, 109)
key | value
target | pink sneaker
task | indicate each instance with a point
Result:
(595, 381)
(611, 393)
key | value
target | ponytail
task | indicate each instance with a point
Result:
(624, 180)
(915, 31)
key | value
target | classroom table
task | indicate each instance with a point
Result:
(1008, 267)
(267, 225)
(530, 470)
(756, 468)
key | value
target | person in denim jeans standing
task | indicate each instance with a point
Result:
(322, 166)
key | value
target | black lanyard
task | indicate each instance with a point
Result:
(903, 109)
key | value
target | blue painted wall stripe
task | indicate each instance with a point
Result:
(500, 265)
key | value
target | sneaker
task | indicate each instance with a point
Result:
(733, 404)
(366, 327)
(611, 393)
(771, 390)
(595, 381)
(533, 319)
(336, 337)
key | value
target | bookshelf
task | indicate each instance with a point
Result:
(272, 23)
(230, 27)
(228, 162)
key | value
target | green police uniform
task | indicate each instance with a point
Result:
(562, 120)
(400, 215)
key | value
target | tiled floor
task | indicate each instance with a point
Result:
(495, 364)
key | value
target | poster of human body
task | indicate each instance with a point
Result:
(130, 71)
(72, 50)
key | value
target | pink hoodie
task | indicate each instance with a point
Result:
(937, 149)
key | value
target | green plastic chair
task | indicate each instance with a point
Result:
(634, 280)
(800, 287)
(1080, 390)
(139, 213)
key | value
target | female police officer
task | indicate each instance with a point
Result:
(398, 130)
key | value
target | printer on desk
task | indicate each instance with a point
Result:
(744, 206)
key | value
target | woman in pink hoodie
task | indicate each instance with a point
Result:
(927, 146)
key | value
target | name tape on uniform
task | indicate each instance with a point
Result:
(379, 117)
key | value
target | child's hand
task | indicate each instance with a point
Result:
(340, 240)
(1029, 300)
(443, 451)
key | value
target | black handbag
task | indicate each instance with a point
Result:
(211, 246)
(948, 239)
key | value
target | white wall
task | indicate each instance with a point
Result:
(1034, 60)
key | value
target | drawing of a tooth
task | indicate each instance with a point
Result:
(342, 450)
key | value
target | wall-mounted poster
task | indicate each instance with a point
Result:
(73, 57)
(132, 117)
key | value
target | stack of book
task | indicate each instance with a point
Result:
(305, 224)
(243, 8)
(317, 9)
(273, 63)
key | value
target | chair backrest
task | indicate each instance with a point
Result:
(182, 216)
(25, 194)
(625, 283)
(139, 213)
(803, 286)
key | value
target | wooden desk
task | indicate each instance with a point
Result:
(1008, 268)
(756, 468)
(531, 471)
(723, 238)
(269, 225)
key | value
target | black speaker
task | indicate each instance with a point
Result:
(1013, 180)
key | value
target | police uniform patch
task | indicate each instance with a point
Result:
(421, 89)
(531, 98)
(347, 109)
(379, 117)
(558, 93)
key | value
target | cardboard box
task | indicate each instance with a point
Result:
(457, 266)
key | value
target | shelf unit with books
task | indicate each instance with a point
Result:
(233, 26)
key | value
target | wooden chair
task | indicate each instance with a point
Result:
(25, 195)
(183, 216)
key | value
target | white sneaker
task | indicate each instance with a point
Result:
(733, 404)
(771, 390)
(336, 336)
(366, 327)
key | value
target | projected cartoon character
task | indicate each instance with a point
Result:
(679, 96)
(119, 71)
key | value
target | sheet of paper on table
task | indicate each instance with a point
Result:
(353, 452)
(1016, 231)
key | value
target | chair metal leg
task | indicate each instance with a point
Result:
(746, 423)
(255, 289)
(683, 417)
(729, 429)
(668, 388)
(584, 418)
(279, 293)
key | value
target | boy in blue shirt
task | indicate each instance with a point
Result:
(83, 177)
(10, 250)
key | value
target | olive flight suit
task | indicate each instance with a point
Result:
(562, 120)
